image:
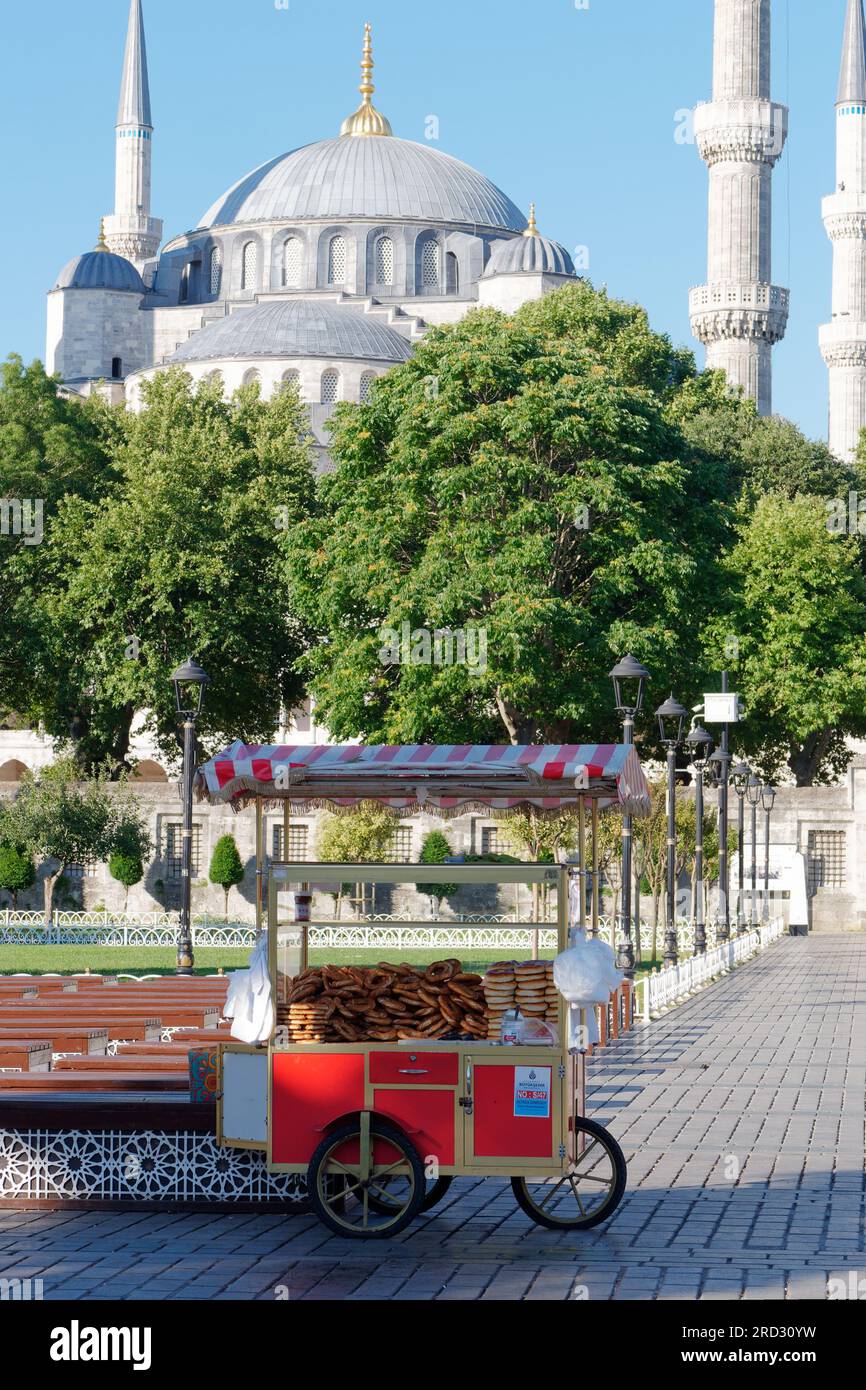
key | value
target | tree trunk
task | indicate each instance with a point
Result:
(49, 883)
(805, 759)
(226, 893)
(655, 938)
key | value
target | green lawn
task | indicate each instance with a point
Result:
(155, 960)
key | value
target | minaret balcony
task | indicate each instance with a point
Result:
(843, 342)
(745, 131)
(739, 310)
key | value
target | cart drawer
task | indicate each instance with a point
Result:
(408, 1068)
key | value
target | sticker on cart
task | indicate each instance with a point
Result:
(532, 1092)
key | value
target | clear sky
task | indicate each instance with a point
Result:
(571, 102)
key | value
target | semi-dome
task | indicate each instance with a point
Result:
(100, 270)
(379, 179)
(530, 254)
(295, 328)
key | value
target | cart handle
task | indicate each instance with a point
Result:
(413, 1071)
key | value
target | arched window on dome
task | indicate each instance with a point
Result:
(452, 274)
(430, 265)
(330, 387)
(367, 385)
(250, 267)
(292, 263)
(251, 377)
(384, 261)
(291, 378)
(337, 261)
(216, 270)
(215, 379)
(184, 284)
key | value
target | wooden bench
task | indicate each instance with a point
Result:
(127, 1062)
(25, 1054)
(101, 1080)
(118, 1025)
(62, 1037)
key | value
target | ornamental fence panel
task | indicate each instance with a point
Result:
(665, 988)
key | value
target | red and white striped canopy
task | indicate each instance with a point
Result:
(447, 778)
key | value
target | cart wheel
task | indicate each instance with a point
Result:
(588, 1193)
(374, 1159)
(382, 1202)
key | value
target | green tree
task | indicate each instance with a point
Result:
(180, 552)
(519, 476)
(17, 871)
(795, 600)
(127, 869)
(62, 821)
(361, 836)
(435, 849)
(226, 867)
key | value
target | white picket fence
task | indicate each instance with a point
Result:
(661, 991)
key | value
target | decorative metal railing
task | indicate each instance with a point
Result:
(661, 991)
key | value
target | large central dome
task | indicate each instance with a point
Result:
(380, 179)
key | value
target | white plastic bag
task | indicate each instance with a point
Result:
(585, 974)
(248, 1002)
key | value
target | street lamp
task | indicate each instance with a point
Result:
(740, 775)
(700, 745)
(768, 797)
(671, 717)
(189, 681)
(753, 795)
(629, 678)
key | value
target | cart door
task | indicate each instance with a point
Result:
(242, 1096)
(513, 1107)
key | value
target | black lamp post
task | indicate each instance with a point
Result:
(768, 797)
(753, 794)
(189, 682)
(671, 717)
(629, 678)
(700, 745)
(740, 775)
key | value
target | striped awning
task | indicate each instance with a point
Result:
(446, 778)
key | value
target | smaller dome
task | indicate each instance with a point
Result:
(529, 254)
(295, 328)
(100, 270)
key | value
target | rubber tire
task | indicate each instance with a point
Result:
(382, 1130)
(518, 1186)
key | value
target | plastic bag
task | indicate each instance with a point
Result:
(248, 1000)
(535, 1032)
(586, 972)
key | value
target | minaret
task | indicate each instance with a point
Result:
(843, 341)
(132, 232)
(740, 314)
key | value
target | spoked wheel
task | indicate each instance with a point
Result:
(373, 1159)
(435, 1192)
(588, 1193)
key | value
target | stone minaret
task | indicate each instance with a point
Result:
(740, 314)
(132, 232)
(843, 341)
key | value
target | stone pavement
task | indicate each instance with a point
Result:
(742, 1117)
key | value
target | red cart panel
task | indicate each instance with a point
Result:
(426, 1117)
(414, 1068)
(498, 1131)
(310, 1091)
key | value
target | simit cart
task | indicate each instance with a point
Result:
(379, 1129)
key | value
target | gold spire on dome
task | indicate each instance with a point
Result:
(367, 120)
(102, 244)
(532, 225)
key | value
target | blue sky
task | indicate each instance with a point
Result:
(574, 107)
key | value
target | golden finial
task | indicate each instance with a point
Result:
(367, 120)
(532, 225)
(102, 244)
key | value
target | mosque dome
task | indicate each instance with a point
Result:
(100, 269)
(296, 328)
(530, 254)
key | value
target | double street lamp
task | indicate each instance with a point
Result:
(740, 775)
(700, 746)
(671, 717)
(629, 678)
(189, 681)
(768, 797)
(753, 795)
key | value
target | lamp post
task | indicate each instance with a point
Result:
(700, 745)
(671, 717)
(753, 793)
(189, 681)
(740, 775)
(629, 678)
(768, 797)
